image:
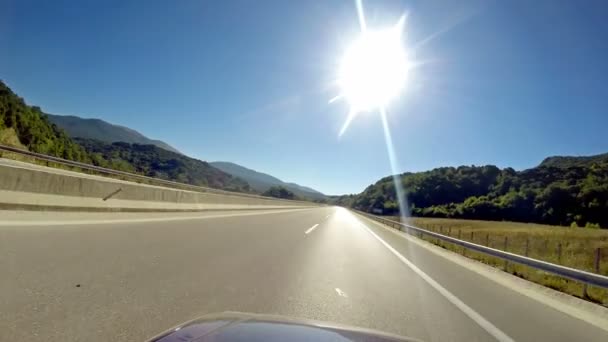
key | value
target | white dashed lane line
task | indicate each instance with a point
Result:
(311, 229)
(341, 293)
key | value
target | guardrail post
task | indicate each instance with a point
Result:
(472, 235)
(505, 246)
(598, 257)
(586, 277)
(559, 253)
(596, 269)
(459, 238)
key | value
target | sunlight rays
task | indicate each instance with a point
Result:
(351, 115)
(373, 71)
(390, 149)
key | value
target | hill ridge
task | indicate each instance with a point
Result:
(98, 129)
(261, 181)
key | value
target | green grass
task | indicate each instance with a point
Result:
(577, 245)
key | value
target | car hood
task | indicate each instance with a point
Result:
(238, 326)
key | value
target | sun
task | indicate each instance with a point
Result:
(374, 69)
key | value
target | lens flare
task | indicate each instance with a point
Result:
(374, 69)
(399, 190)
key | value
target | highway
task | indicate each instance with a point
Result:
(77, 279)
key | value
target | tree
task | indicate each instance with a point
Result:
(33, 130)
(575, 191)
(279, 192)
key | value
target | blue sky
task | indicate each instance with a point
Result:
(503, 82)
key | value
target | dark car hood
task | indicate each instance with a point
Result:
(238, 326)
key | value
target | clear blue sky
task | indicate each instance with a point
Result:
(505, 83)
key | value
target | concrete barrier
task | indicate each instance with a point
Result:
(26, 186)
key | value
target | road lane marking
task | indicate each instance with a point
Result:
(341, 293)
(326, 217)
(569, 305)
(211, 215)
(472, 314)
(311, 229)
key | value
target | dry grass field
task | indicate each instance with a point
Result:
(572, 247)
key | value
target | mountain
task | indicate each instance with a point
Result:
(77, 127)
(302, 188)
(153, 161)
(558, 161)
(262, 182)
(28, 127)
(98, 130)
(560, 191)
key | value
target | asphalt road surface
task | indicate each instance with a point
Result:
(127, 281)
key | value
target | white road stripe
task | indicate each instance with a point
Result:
(311, 229)
(472, 314)
(341, 293)
(185, 217)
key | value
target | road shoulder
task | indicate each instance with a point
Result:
(590, 313)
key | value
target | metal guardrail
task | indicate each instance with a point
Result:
(567, 272)
(152, 180)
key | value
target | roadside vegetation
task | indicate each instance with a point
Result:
(153, 161)
(280, 192)
(27, 127)
(572, 247)
(24, 125)
(560, 191)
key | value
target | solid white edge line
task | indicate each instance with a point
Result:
(311, 229)
(534, 291)
(216, 214)
(472, 314)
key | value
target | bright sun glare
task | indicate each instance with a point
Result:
(374, 69)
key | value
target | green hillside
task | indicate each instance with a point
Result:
(279, 192)
(97, 129)
(23, 125)
(153, 161)
(545, 194)
(28, 127)
(558, 161)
